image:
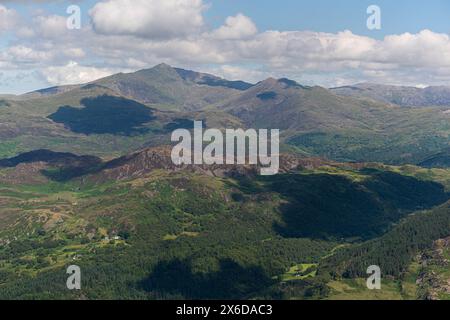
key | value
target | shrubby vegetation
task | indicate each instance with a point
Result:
(395, 250)
(179, 235)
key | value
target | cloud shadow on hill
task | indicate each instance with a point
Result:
(105, 115)
(176, 278)
(325, 206)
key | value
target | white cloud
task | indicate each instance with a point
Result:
(24, 55)
(327, 58)
(174, 31)
(148, 18)
(233, 72)
(74, 53)
(25, 32)
(8, 18)
(237, 27)
(73, 73)
(424, 49)
(52, 26)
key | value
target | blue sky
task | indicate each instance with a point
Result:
(399, 16)
(231, 48)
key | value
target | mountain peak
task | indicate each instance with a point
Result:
(162, 66)
(159, 69)
(282, 83)
(270, 80)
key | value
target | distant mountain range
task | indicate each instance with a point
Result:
(86, 178)
(126, 112)
(399, 95)
(165, 85)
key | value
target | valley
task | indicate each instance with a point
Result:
(86, 178)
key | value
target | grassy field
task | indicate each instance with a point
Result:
(356, 289)
(300, 272)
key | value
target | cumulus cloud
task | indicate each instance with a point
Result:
(8, 18)
(237, 27)
(73, 73)
(148, 18)
(134, 34)
(236, 72)
(51, 26)
(21, 55)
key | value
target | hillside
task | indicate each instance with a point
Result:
(438, 96)
(162, 232)
(148, 104)
(162, 86)
(86, 177)
(225, 155)
(440, 160)
(319, 122)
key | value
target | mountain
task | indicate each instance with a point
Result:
(162, 86)
(400, 95)
(86, 178)
(101, 118)
(211, 80)
(127, 112)
(50, 157)
(141, 229)
(319, 122)
(48, 91)
(440, 160)
(284, 104)
(7, 96)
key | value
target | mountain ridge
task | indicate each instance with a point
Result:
(87, 179)
(406, 96)
(313, 120)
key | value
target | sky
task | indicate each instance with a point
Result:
(321, 42)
